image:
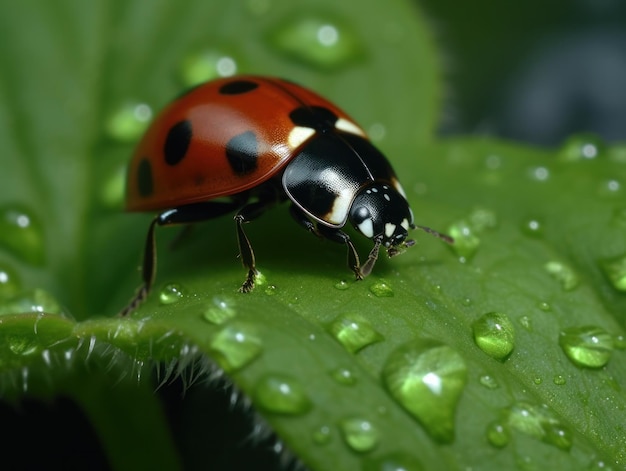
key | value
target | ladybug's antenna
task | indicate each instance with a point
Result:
(439, 235)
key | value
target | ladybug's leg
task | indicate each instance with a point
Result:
(183, 215)
(341, 237)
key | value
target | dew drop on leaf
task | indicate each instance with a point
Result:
(381, 289)
(128, 122)
(532, 227)
(361, 435)
(544, 306)
(582, 147)
(488, 381)
(171, 293)
(322, 435)
(354, 332)
(37, 300)
(393, 462)
(343, 376)
(494, 334)
(10, 283)
(562, 273)
(342, 285)
(219, 311)
(615, 270)
(540, 423)
(559, 380)
(235, 346)
(22, 345)
(587, 346)
(427, 378)
(281, 394)
(466, 242)
(498, 434)
(270, 290)
(201, 66)
(22, 234)
(526, 323)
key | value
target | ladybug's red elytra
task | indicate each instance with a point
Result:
(242, 144)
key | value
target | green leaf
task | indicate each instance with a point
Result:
(390, 371)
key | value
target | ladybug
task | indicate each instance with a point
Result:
(243, 144)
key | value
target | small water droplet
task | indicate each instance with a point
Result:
(270, 290)
(526, 323)
(361, 435)
(619, 342)
(281, 394)
(22, 234)
(381, 289)
(539, 423)
(322, 435)
(466, 302)
(599, 465)
(235, 346)
(317, 41)
(563, 273)
(582, 147)
(615, 270)
(342, 285)
(532, 227)
(498, 434)
(540, 174)
(220, 311)
(466, 242)
(481, 219)
(343, 376)
(427, 379)
(171, 293)
(395, 461)
(36, 300)
(128, 122)
(354, 332)
(559, 380)
(587, 346)
(10, 283)
(494, 334)
(488, 381)
(610, 188)
(203, 65)
(544, 306)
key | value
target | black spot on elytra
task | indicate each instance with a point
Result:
(316, 117)
(177, 142)
(145, 184)
(242, 153)
(237, 87)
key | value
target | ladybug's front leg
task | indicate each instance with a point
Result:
(341, 237)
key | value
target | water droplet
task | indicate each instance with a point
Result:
(10, 283)
(563, 273)
(537, 380)
(526, 323)
(128, 122)
(171, 293)
(342, 285)
(587, 346)
(494, 334)
(354, 332)
(377, 132)
(582, 147)
(317, 41)
(381, 289)
(270, 290)
(281, 394)
(397, 461)
(466, 242)
(533, 227)
(201, 66)
(619, 342)
(544, 306)
(22, 345)
(427, 379)
(540, 174)
(559, 380)
(610, 188)
(235, 346)
(488, 381)
(220, 311)
(498, 434)
(322, 435)
(466, 302)
(481, 219)
(36, 300)
(360, 434)
(599, 465)
(343, 376)
(539, 423)
(615, 270)
(22, 234)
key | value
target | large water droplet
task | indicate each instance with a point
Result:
(354, 332)
(235, 346)
(498, 434)
(318, 41)
(361, 435)
(466, 242)
(563, 273)
(128, 122)
(22, 234)
(587, 346)
(494, 334)
(9, 282)
(171, 293)
(281, 394)
(615, 270)
(427, 379)
(22, 345)
(381, 289)
(539, 423)
(582, 147)
(204, 65)
(36, 300)
(220, 311)
(393, 462)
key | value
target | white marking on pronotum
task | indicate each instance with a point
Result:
(298, 135)
(367, 228)
(405, 224)
(390, 229)
(348, 126)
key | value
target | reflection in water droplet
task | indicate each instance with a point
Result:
(427, 379)
(343, 376)
(354, 332)
(494, 334)
(322, 435)
(128, 122)
(361, 435)
(563, 273)
(582, 147)
(498, 434)
(539, 423)
(318, 41)
(22, 234)
(220, 311)
(201, 66)
(587, 346)
(281, 394)
(615, 270)
(393, 462)
(488, 381)
(342, 285)
(10, 283)
(171, 293)
(235, 346)
(36, 300)
(381, 289)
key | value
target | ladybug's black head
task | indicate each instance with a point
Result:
(381, 213)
